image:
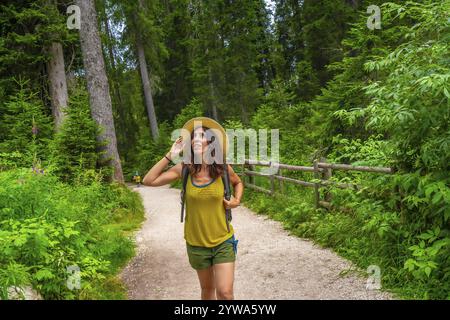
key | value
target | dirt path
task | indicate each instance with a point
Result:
(270, 263)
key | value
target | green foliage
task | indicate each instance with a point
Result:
(27, 28)
(26, 129)
(74, 148)
(192, 110)
(48, 227)
(13, 275)
(426, 253)
(148, 152)
(229, 55)
(388, 105)
(370, 152)
(411, 102)
(10, 160)
(176, 82)
(309, 35)
(279, 112)
(143, 24)
(408, 104)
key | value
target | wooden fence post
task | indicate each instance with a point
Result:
(251, 178)
(326, 176)
(316, 185)
(272, 184)
(281, 183)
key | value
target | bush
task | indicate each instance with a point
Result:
(50, 229)
(387, 106)
(25, 129)
(74, 148)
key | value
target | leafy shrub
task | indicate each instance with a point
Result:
(48, 227)
(387, 106)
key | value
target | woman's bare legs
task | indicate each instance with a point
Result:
(206, 278)
(224, 279)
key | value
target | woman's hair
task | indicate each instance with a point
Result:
(215, 170)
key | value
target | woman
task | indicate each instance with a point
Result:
(210, 246)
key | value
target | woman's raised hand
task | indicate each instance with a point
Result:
(176, 148)
(156, 176)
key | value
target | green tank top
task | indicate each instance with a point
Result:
(205, 223)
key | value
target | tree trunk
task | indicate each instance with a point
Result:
(146, 82)
(354, 3)
(57, 83)
(213, 96)
(115, 81)
(97, 84)
(147, 89)
(215, 114)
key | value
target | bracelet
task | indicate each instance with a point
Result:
(170, 161)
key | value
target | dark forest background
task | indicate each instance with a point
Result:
(81, 111)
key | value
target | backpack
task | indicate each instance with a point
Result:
(227, 191)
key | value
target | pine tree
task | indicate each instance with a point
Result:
(74, 148)
(143, 36)
(309, 35)
(228, 55)
(25, 128)
(176, 79)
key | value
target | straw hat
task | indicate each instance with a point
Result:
(219, 131)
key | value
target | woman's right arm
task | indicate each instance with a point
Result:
(156, 177)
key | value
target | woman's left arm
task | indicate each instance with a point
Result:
(238, 187)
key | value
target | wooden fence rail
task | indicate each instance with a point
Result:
(322, 171)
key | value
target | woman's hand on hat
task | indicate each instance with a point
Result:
(176, 148)
(232, 203)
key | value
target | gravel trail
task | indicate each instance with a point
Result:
(271, 264)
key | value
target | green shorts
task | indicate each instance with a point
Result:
(203, 257)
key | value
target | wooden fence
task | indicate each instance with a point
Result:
(322, 171)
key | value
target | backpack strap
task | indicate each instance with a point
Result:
(184, 175)
(226, 184)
